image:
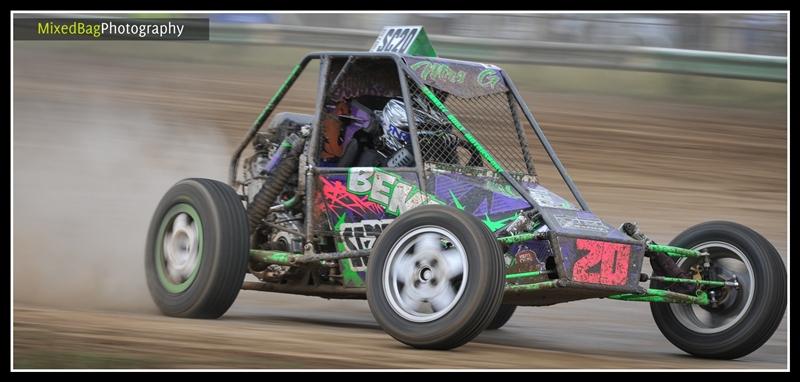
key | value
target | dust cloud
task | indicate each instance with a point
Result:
(88, 174)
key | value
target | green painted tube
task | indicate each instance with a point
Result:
(660, 295)
(648, 298)
(527, 274)
(692, 281)
(523, 237)
(532, 287)
(467, 135)
(278, 95)
(291, 202)
(673, 251)
(272, 257)
(262, 117)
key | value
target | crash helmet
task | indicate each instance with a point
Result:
(395, 122)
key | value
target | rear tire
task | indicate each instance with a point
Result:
(502, 316)
(197, 249)
(435, 278)
(746, 317)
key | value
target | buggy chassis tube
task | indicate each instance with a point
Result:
(300, 259)
(470, 138)
(311, 165)
(526, 153)
(295, 259)
(545, 143)
(323, 290)
(523, 237)
(298, 69)
(660, 295)
(675, 251)
(527, 274)
(712, 283)
(276, 98)
(531, 287)
(652, 295)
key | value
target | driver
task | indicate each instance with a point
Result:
(386, 141)
(432, 130)
(394, 122)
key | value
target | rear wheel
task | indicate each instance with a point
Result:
(197, 249)
(743, 318)
(435, 278)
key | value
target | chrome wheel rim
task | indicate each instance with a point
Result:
(181, 244)
(729, 262)
(425, 274)
(179, 248)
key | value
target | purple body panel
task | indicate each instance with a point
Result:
(359, 204)
(460, 78)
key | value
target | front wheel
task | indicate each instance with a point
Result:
(435, 278)
(743, 318)
(501, 318)
(197, 248)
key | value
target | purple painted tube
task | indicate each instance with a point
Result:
(286, 145)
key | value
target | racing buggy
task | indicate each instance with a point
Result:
(412, 185)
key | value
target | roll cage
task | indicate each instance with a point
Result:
(407, 78)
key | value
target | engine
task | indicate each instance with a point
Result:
(271, 183)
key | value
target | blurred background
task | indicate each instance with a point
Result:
(753, 33)
(664, 119)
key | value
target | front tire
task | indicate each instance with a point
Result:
(435, 278)
(745, 318)
(197, 249)
(501, 318)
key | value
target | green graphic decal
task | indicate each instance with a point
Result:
(456, 202)
(350, 277)
(395, 194)
(422, 45)
(339, 222)
(428, 70)
(488, 78)
(494, 225)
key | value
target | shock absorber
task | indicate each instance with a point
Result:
(661, 263)
(279, 170)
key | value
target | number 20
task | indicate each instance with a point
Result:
(612, 257)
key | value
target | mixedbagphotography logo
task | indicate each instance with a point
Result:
(111, 29)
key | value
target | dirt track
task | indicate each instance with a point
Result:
(98, 139)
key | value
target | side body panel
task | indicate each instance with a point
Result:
(358, 203)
